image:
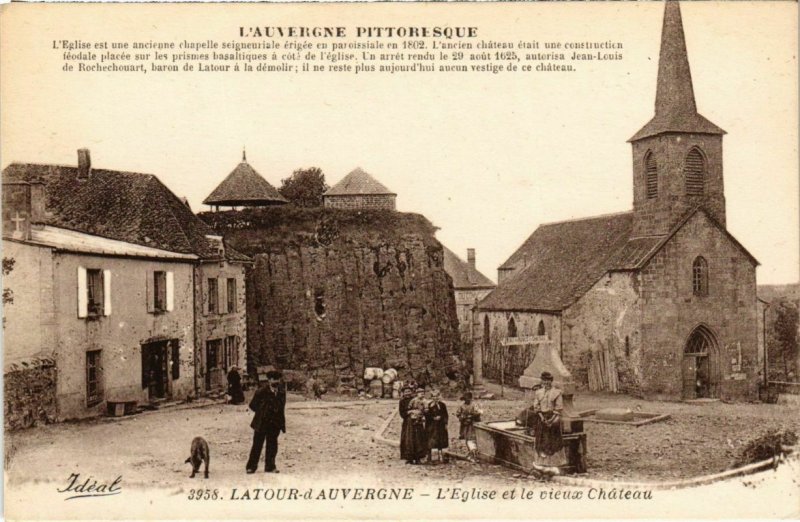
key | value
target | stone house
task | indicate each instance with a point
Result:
(359, 191)
(659, 301)
(104, 286)
(244, 187)
(469, 287)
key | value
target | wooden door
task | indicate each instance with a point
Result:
(689, 375)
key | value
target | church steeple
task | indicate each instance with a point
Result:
(677, 155)
(676, 110)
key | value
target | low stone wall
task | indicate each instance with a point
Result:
(30, 395)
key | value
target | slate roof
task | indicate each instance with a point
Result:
(124, 206)
(358, 182)
(675, 110)
(464, 275)
(559, 262)
(245, 187)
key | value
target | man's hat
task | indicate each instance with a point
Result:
(547, 376)
(435, 393)
(274, 374)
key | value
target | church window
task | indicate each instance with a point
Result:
(694, 172)
(541, 330)
(700, 276)
(651, 175)
(512, 328)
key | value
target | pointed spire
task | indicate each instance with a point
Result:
(676, 110)
(244, 155)
(674, 93)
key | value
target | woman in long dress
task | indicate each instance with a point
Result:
(406, 436)
(436, 419)
(235, 386)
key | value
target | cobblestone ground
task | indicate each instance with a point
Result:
(328, 439)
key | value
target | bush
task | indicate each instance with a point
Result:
(765, 446)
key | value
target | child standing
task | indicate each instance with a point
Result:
(468, 414)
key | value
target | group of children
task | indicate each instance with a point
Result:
(424, 429)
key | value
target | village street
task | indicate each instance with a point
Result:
(333, 438)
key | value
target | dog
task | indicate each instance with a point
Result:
(200, 453)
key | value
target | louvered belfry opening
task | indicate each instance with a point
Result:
(694, 172)
(651, 175)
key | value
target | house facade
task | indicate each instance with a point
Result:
(659, 301)
(469, 287)
(103, 292)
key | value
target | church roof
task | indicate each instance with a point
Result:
(124, 206)
(358, 182)
(464, 275)
(675, 108)
(245, 187)
(560, 262)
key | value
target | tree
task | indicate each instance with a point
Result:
(785, 332)
(304, 187)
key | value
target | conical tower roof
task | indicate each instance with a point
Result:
(676, 110)
(358, 182)
(245, 187)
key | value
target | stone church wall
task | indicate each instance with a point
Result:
(671, 311)
(604, 323)
(334, 290)
(502, 358)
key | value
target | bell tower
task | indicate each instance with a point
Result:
(677, 156)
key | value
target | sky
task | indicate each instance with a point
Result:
(486, 158)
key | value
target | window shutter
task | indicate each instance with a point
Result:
(83, 291)
(204, 294)
(106, 292)
(223, 295)
(151, 289)
(170, 292)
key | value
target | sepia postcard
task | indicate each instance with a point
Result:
(397, 261)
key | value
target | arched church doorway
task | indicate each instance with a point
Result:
(700, 369)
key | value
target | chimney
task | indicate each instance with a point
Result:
(471, 257)
(84, 164)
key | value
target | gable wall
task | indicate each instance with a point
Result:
(670, 311)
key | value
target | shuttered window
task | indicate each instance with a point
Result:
(700, 276)
(231, 295)
(94, 292)
(213, 296)
(651, 175)
(694, 172)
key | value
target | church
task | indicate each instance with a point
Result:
(659, 301)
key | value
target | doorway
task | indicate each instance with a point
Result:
(700, 371)
(155, 369)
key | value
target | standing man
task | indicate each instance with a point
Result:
(268, 404)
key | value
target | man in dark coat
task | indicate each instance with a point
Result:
(268, 404)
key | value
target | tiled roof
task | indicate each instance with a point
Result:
(676, 110)
(124, 206)
(463, 274)
(559, 262)
(245, 187)
(358, 182)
